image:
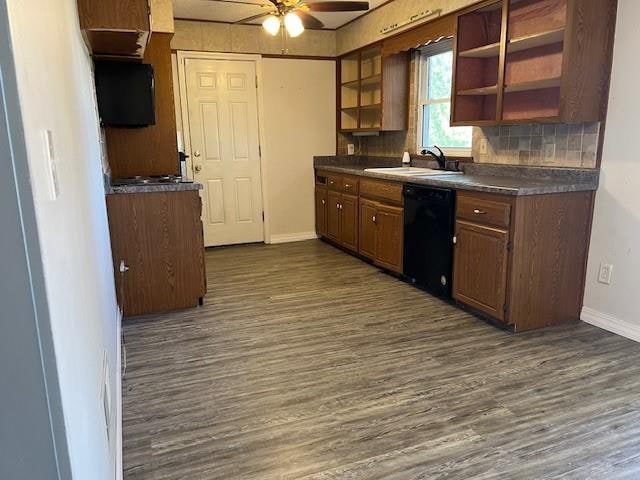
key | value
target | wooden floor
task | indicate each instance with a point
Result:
(306, 363)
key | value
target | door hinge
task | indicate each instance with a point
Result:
(263, 216)
(508, 246)
(256, 81)
(260, 150)
(455, 239)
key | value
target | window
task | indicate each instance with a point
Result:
(435, 103)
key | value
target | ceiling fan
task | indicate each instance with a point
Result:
(294, 14)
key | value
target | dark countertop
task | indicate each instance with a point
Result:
(500, 179)
(155, 187)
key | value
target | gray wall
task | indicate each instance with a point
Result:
(32, 443)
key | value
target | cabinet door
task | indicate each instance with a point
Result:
(321, 211)
(333, 215)
(368, 236)
(349, 227)
(480, 268)
(390, 234)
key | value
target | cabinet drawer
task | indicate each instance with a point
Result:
(482, 210)
(350, 185)
(334, 182)
(381, 190)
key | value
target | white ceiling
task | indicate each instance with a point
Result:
(227, 12)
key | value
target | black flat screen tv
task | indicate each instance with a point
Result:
(125, 93)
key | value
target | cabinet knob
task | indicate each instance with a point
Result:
(346, 185)
(323, 202)
(479, 212)
(374, 219)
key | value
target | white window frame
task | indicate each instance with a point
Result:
(442, 46)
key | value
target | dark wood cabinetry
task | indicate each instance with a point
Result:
(122, 28)
(521, 260)
(373, 90)
(158, 236)
(532, 60)
(370, 224)
(390, 234)
(480, 275)
(381, 234)
(321, 211)
(337, 209)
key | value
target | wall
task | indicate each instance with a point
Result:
(55, 89)
(299, 120)
(224, 37)
(615, 238)
(31, 421)
(366, 29)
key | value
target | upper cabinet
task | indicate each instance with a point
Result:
(373, 91)
(121, 28)
(532, 61)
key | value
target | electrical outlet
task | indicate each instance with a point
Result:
(549, 152)
(52, 170)
(604, 276)
(351, 149)
(483, 146)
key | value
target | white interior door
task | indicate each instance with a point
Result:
(223, 128)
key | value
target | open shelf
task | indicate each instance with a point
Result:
(486, 51)
(371, 106)
(530, 17)
(536, 40)
(373, 80)
(533, 85)
(491, 90)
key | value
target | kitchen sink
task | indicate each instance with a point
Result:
(411, 171)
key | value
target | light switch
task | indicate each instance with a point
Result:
(351, 149)
(52, 170)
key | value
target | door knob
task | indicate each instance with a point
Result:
(196, 153)
(198, 168)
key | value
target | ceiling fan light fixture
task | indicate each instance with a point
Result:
(293, 24)
(272, 25)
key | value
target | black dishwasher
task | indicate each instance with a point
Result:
(429, 215)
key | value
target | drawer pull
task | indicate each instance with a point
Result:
(346, 185)
(479, 212)
(374, 219)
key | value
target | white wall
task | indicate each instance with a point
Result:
(615, 238)
(56, 92)
(299, 122)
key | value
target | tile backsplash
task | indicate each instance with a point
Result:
(555, 145)
(563, 145)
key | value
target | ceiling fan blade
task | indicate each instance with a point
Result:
(253, 17)
(309, 21)
(338, 6)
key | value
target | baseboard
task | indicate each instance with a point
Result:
(119, 464)
(293, 237)
(607, 322)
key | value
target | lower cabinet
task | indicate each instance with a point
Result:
(341, 218)
(158, 237)
(381, 234)
(521, 259)
(480, 274)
